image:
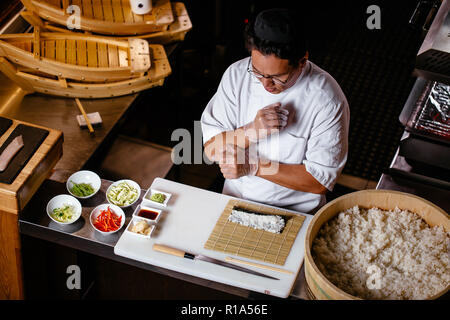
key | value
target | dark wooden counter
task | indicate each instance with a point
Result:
(34, 222)
(60, 113)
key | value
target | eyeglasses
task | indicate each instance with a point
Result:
(258, 75)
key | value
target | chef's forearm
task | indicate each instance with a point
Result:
(292, 176)
(233, 137)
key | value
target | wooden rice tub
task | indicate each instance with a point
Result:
(319, 285)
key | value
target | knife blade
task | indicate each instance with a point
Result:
(187, 255)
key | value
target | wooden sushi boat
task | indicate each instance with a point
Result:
(176, 31)
(31, 83)
(110, 17)
(77, 56)
(80, 65)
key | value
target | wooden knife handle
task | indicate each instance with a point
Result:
(258, 265)
(172, 251)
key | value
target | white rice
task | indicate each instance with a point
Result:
(376, 254)
(267, 222)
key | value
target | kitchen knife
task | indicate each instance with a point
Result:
(183, 254)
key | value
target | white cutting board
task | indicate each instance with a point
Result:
(186, 224)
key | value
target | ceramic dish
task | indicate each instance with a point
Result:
(97, 211)
(60, 202)
(84, 176)
(130, 188)
(150, 214)
(134, 223)
(150, 192)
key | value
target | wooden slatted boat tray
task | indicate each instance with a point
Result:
(176, 31)
(77, 56)
(248, 242)
(109, 17)
(38, 81)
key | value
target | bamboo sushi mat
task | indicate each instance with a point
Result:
(248, 242)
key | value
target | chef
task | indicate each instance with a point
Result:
(278, 124)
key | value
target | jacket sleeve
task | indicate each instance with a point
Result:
(221, 112)
(327, 146)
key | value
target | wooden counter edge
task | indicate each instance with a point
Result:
(13, 198)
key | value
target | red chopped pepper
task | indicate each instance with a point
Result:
(107, 221)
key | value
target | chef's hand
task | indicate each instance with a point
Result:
(267, 121)
(237, 162)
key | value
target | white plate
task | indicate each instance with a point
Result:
(117, 210)
(135, 220)
(84, 176)
(147, 201)
(142, 206)
(61, 200)
(132, 184)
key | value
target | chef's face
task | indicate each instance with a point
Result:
(270, 67)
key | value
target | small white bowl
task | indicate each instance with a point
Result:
(147, 198)
(61, 200)
(117, 210)
(132, 184)
(135, 220)
(84, 176)
(152, 221)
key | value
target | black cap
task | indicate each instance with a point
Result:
(277, 25)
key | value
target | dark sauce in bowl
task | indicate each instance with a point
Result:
(149, 214)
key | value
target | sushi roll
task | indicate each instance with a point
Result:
(267, 222)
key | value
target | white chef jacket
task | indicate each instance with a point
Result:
(316, 134)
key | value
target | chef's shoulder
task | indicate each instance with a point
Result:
(236, 72)
(325, 88)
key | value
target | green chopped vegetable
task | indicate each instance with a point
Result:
(82, 189)
(64, 214)
(122, 194)
(158, 197)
